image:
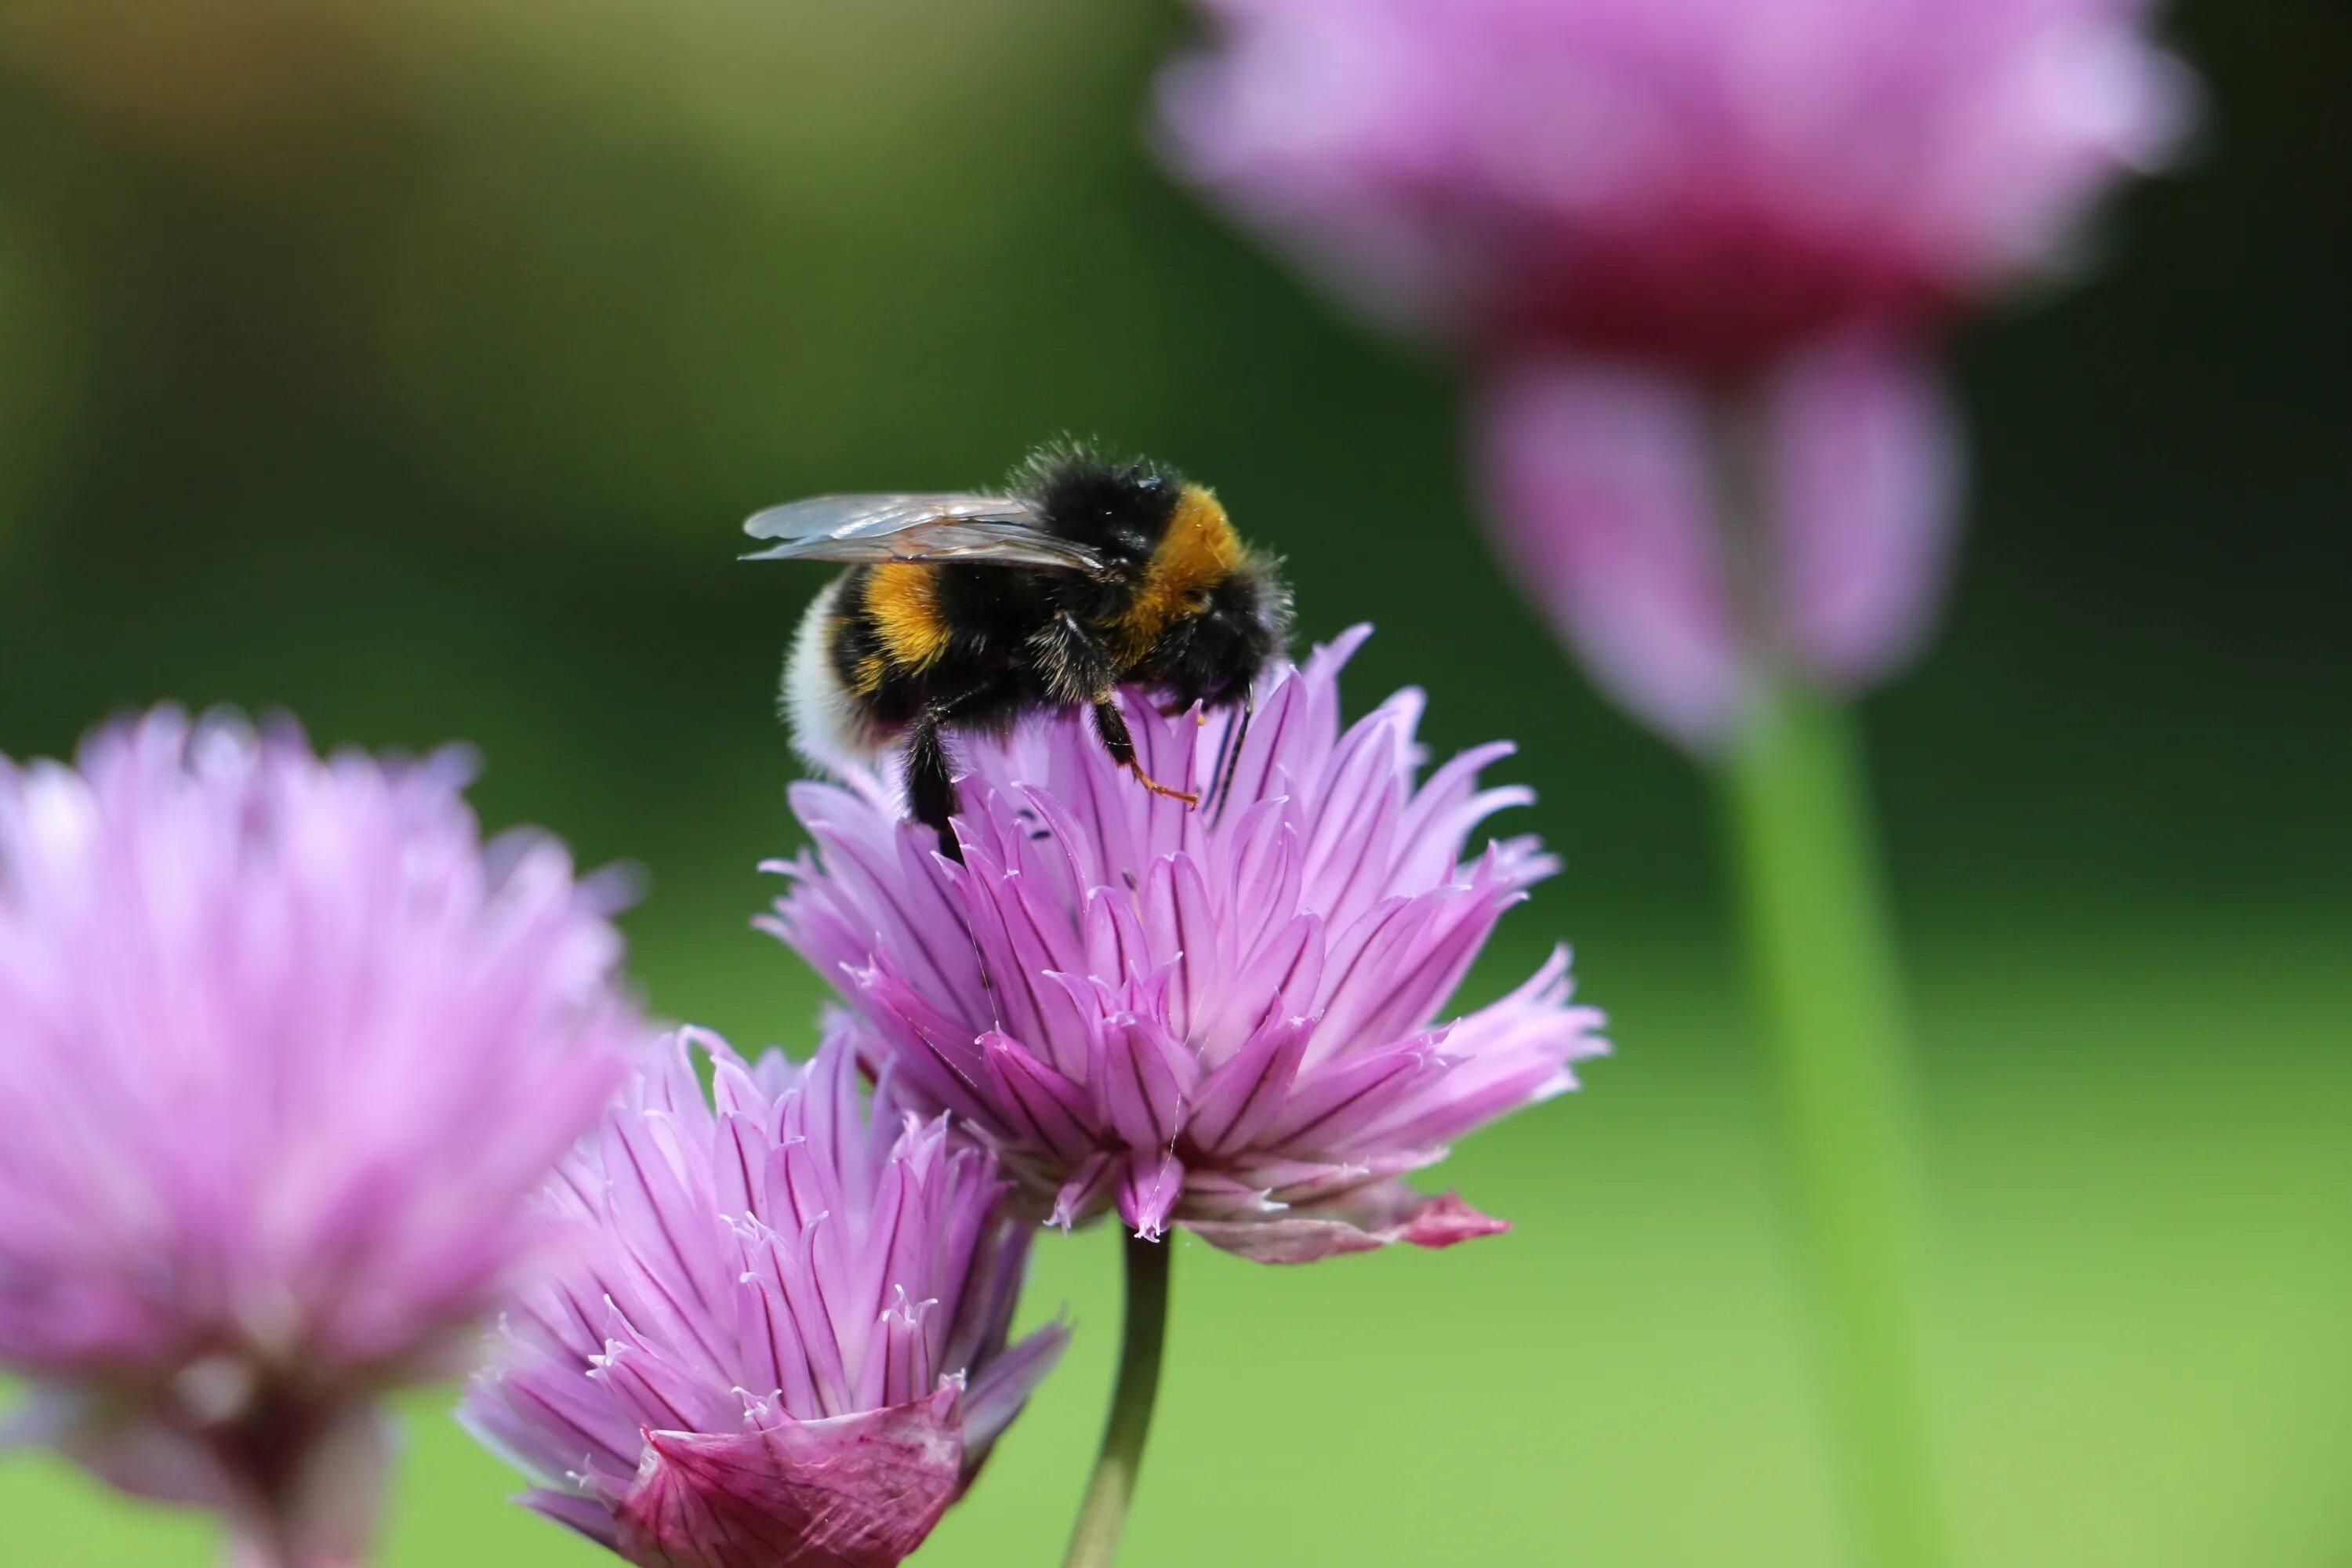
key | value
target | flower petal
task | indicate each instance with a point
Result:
(1088, 1188)
(1864, 466)
(998, 1393)
(585, 1515)
(1392, 1215)
(1597, 479)
(1239, 1098)
(1149, 1189)
(1139, 1076)
(1051, 1109)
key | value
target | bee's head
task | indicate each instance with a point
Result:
(1216, 655)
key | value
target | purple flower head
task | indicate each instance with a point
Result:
(1704, 181)
(1223, 1017)
(782, 1336)
(283, 1056)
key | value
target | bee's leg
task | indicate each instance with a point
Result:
(1072, 662)
(1111, 725)
(930, 783)
(1229, 755)
(992, 703)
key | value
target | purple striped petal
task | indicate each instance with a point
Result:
(1138, 1075)
(1148, 1191)
(1083, 1196)
(1395, 1215)
(1239, 1100)
(1047, 1108)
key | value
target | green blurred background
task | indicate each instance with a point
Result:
(410, 367)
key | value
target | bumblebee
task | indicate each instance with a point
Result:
(966, 613)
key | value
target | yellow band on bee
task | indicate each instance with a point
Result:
(903, 598)
(1199, 549)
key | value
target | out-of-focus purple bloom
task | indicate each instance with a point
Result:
(1702, 182)
(1635, 217)
(1606, 483)
(782, 1336)
(283, 1056)
(1223, 1017)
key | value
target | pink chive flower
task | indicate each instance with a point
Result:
(1703, 182)
(782, 1336)
(283, 1056)
(1630, 215)
(1223, 1018)
(1603, 483)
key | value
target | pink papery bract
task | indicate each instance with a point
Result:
(850, 1492)
(283, 1053)
(782, 1335)
(1225, 1018)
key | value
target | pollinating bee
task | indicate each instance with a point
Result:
(963, 613)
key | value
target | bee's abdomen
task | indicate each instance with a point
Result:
(833, 724)
(902, 607)
(843, 636)
(889, 644)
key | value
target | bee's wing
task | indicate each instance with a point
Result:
(999, 529)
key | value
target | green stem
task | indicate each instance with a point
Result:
(1825, 971)
(1095, 1542)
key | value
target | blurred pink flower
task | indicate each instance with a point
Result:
(1222, 1017)
(1644, 220)
(1702, 182)
(282, 1056)
(781, 1339)
(1604, 482)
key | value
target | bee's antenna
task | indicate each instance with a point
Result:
(1229, 754)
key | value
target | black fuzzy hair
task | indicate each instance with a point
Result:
(1081, 490)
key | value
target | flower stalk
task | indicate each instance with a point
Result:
(1094, 1543)
(304, 1481)
(262, 1542)
(1823, 963)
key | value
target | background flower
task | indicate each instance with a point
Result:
(1694, 253)
(1704, 181)
(1640, 220)
(1223, 1017)
(1602, 481)
(282, 1055)
(782, 1337)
